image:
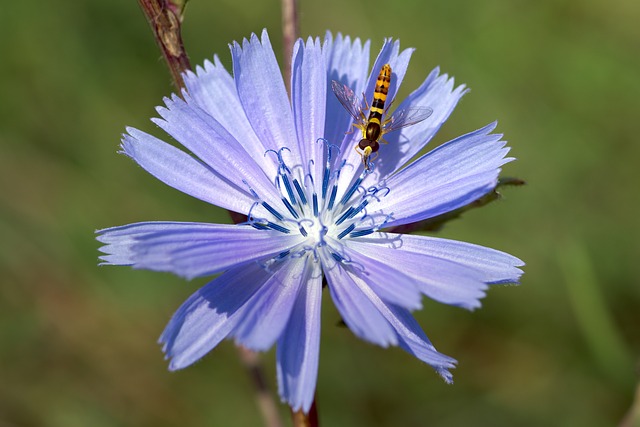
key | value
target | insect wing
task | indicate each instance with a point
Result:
(406, 117)
(348, 100)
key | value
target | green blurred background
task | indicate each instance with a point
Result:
(78, 342)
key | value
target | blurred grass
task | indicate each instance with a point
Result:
(77, 342)
(593, 316)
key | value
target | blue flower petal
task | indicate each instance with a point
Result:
(190, 249)
(347, 63)
(269, 310)
(409, 335)
(263, 95)
(182, 172)
(451, 176)
(356, 309)
(298, 348)
(214, 90)
(309, 91)
(490, 265)
(213, 144)
(440, 279)
(387, 278)
(209, 315)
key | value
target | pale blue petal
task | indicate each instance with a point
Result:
(347, 63)
(263, 95)
(182, 172)
(209, 315)
(386, 278)
(190, 249)
(347, 60)
(355, 307)
(438, 93)
(491, 266)
(213, 144)
(298, 348)
(451, 176)
(213, 89)
(309, 91)
(440, 279)
(269, 310)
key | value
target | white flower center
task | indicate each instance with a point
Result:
(320, 212)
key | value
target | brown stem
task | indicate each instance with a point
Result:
(165, 21)
(300, 419)
(290, 31)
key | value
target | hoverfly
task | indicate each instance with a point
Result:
(373, 127)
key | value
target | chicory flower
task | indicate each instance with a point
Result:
(314, 212)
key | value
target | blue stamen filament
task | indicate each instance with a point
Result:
(345, 215)
(274, 212)
(332, 199)
(315, 205)
(278, 227)
(290, 208)
(346, 231)
(287, 186)
(337, 256)
(360, 233)
(303, 198)
(359, 209)
(352, 190)
(325, 181)
(259, 226)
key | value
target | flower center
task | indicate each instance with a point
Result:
(319, 211)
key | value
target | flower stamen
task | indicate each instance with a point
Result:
(300, 192)
(346, 231)
(353, 188)
(273, 212)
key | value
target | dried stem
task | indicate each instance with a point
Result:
(300, 419)
(290, 31)
(165, 19)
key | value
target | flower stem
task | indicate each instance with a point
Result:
(290, 31)
(300, 419)
(165, 19)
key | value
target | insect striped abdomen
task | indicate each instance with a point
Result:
(373, 130)
(380, 93)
